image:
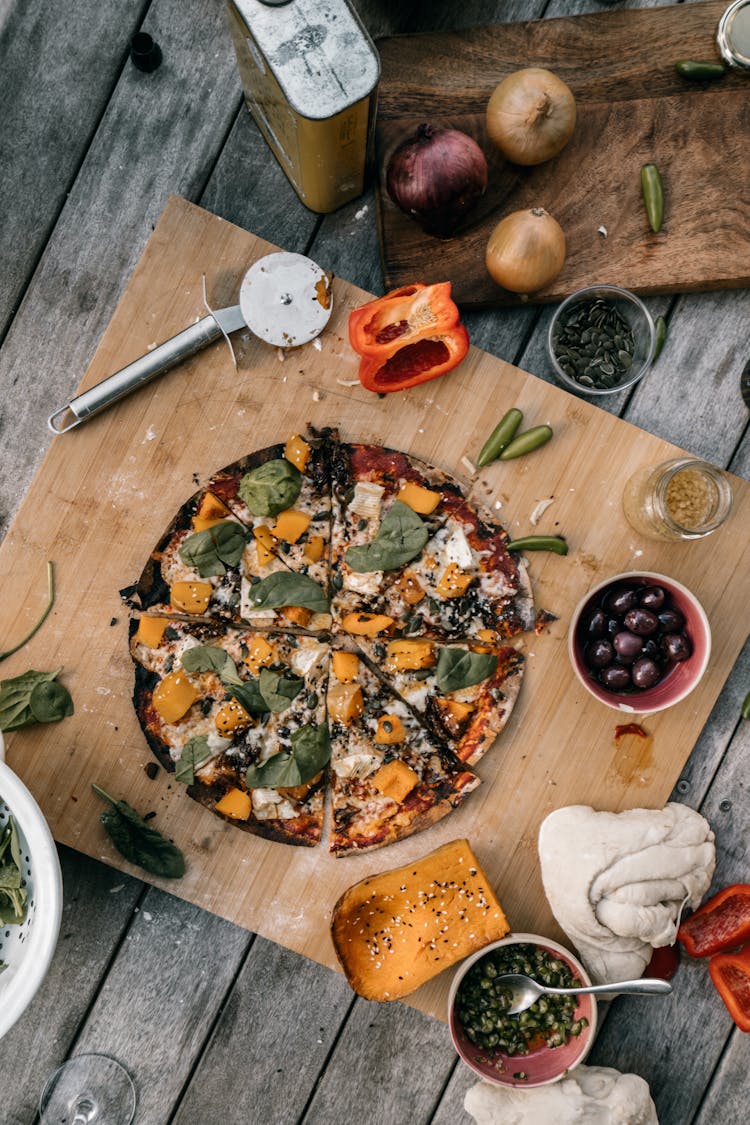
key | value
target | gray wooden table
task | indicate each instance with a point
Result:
(214, 1023)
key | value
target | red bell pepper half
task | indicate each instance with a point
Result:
(730, 972)
(721, 923)
(409, 336)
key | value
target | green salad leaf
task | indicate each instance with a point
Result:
(211, 551)
(458, 668)
(33, 697)
(271, 488)
(13, 897)
(284, 587)
(137, 842)
(195, 753)
(310, 751)
(399, 539)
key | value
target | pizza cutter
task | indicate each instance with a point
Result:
(285, 300)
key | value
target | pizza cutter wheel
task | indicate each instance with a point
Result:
(285, 300)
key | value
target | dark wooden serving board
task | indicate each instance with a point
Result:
(632, 109)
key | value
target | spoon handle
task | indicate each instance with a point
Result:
(644, 986)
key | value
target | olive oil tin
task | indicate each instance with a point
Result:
(310, 73)
(733, 35)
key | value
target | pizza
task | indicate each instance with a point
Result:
(328, 623)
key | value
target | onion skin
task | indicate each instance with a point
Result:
(531, 116)
(526, 251)
(437, 177)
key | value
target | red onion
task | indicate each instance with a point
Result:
(436, 177)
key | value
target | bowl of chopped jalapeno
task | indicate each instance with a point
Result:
(531, 1048)
(601, 340)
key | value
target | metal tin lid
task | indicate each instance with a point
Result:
(733, 35)
(318, 50)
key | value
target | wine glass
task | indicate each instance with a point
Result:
(89, 1089)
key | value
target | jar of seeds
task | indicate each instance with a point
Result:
(601, 340)
(681, 499)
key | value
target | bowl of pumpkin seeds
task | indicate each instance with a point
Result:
(601, 340)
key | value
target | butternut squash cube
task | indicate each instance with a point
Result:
(454, 714)
(211, 510)
(409, 588)
(366, 624)
(191, 597)
(235, 804)
(150, 631)
(174, 697)
(345, 666)
(390, 730)
(291, 525)
(453, 582)
(265, 544)
(489, 636)
(232, 717)
(395, 780)
(297, 451)
(260, 654)
(345, 703)
(314, 548)
(409, 656)
(421, 500)
(296, 615)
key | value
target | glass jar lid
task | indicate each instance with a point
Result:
(733, 35)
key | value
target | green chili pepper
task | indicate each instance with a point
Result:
(500, 436)
(746, 707)
(539, 543)
(660, 326)
(526, 442)
(696, 71)
(653, 195)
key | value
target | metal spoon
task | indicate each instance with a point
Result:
(524, 990)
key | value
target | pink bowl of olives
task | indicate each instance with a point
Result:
(639, 642)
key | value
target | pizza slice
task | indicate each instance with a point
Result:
(411, 556)
(240, 717)
(252, 546)
(389, 776)
(464, 693)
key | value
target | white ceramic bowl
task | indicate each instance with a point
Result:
(27, 949)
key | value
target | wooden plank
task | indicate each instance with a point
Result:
(97, 909)
(57, 76)
(271, 1041)
(103, 511)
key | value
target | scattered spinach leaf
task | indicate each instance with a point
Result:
(271, 488)
(279, 688)
(211, 658)
(400, 537)
(285, 587)
(195, 753)
(211, 551)
(137, 842)
(33, 698)
(41, 619)
(459, 668)
(310, 751)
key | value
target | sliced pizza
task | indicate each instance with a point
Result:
(464, 693)
(389, 776)
(411, 556)
(252, 546)
(240, 717)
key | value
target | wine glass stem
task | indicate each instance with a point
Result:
(85, 1111)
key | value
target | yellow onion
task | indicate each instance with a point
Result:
(526, 251)
(531, 116)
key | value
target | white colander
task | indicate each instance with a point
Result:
(27, 949)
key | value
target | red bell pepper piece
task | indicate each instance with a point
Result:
(730, 972)
(409, 336)
(721, 923)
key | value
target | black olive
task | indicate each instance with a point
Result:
(645, 672)
(614, 624)
(651, 649)
(620, 600)
(599, 654)
(671, 620)
(641, 621)
(652, 597)
(616, 678)
(676, 646)
(595, 625)
(627, 646)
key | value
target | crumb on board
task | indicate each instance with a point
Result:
(469, 466)
(542, 620)
(540, 509)
(348, 382)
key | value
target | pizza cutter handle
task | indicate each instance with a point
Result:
(140, 371)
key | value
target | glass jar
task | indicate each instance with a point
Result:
(680, 499)
(733, 35)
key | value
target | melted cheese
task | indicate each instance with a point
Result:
(268, 804)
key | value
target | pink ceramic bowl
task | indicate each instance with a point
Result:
(679, 680)
(543, 1065)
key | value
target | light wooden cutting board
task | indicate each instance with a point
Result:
(107, 490)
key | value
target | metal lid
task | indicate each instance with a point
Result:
(733, 35)
(318, 50)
